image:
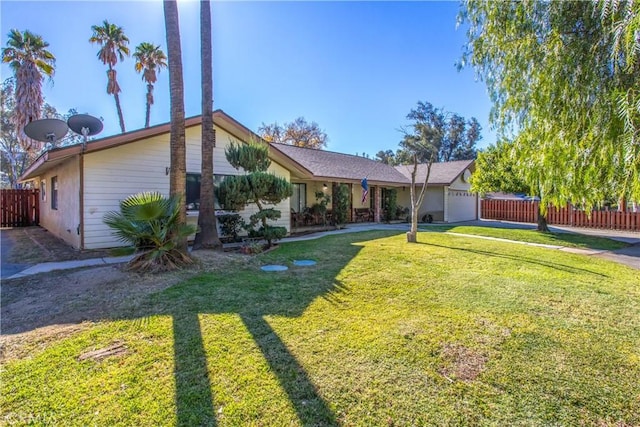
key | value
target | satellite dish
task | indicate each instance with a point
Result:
(85, 125)
(46, 130)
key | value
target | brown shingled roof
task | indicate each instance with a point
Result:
(339, 166)
(443, 173)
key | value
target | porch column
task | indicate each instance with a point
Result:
(378, 204)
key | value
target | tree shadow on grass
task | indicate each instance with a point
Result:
(307, 402)
(243, 290)
(549, 264)
(253, 295)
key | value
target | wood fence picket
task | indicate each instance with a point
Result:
(20, 208)
(526, 211)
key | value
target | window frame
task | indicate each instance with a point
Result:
(54, 192)
(194, 204)
(299, 195)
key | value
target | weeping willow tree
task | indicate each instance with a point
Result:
(257, 187)
(564, 79)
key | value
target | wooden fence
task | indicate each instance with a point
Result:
(525, 211)
(20, 208)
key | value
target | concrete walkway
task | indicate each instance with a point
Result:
(629, 256)
(46, 267)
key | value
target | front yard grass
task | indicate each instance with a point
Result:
(570, 240)
(449, 331)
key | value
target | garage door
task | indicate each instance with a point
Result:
(461, 206)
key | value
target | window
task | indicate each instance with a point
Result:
(299, 197)
(193, 190)
(43, 190)
(54, 192)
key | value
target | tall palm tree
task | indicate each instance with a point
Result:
(178, 173)
(113, 46)
(149, 59)
(30, 61)
(207, 236)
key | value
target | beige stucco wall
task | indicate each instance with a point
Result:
(222, 167)
(63, 222)
(460, 184)
(312, 187)
(462, 205)
(112, 175)
(433, 201)
(445, 203)
(356, 196)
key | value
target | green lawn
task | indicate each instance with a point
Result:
(532, 236)
(450, 331)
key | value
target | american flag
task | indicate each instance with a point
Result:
(365, 189)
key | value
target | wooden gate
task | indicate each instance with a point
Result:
(20, 208)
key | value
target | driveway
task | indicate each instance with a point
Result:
(8, 269)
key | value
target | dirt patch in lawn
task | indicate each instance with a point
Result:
(462, 363)
(37, 309)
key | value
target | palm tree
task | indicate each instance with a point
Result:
(113, 46)
(30, 61)
(207, 236)
(149, 58)
(178, 174)
(148, 222)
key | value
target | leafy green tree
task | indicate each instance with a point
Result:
(150, 223)
(113, 47)
(14, 158)
(498, 169)
(458, 142)
(387, 157)
(178, 150)
(563, 78)
(257, 186)
(340, 204)
(390, 204)
(207, 236)
(298, 132)
(149, 60)
(30, 62)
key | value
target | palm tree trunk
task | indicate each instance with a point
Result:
(111, 74)
(178, 175)
(148, 111)
(207, 236)
(120, 116)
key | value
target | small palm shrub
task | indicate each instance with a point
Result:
(148, 222)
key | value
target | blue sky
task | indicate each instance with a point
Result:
(356, 68)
